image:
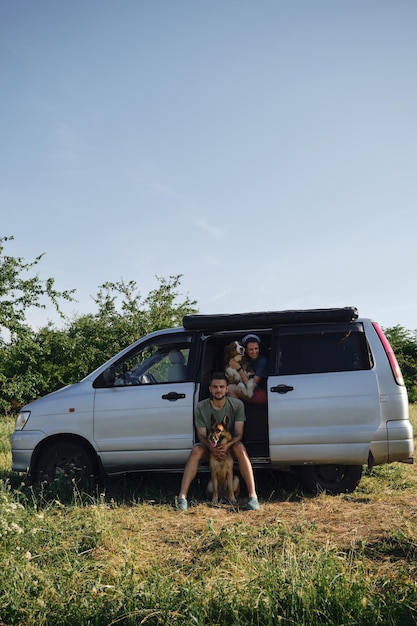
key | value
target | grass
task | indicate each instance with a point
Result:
(125, 556)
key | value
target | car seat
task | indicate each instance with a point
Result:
(177, 369)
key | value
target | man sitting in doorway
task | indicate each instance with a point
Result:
(219, 405)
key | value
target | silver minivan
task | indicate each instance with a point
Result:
(336, 401)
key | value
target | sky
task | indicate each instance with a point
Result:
(265, 150)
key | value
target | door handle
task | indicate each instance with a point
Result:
(173, 395)
(282, 388)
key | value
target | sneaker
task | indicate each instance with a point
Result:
(253, 505)
(182, 504)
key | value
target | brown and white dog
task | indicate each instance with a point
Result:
(223, 483)
(234, 351)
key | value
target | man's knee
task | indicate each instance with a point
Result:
(198, 452)
(239, 450)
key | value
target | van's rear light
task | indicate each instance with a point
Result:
(390, 354)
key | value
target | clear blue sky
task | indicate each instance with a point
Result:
(265, 149)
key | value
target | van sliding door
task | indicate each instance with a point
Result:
(323, 395)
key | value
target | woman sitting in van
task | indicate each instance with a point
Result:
(259, 365)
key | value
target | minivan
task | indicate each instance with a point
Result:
(336, 402)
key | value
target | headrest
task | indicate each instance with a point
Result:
(175, 356)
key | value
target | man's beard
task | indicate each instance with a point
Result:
(213, 397)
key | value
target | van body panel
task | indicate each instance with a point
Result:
(323, 409)
(73, 403)
(119, 462)
(132, 422)
(24, 442)
(319, 454)
(400, 440)
(65, 413)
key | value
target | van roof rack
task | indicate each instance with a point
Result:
(268, 319)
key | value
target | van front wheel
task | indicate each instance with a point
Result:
(332, 479)
(66, 458)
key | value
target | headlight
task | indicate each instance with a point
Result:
(21, 420)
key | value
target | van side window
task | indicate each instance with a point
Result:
(326, 351)
(162, 359)
(154, 364)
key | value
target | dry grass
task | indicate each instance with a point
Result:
(383, 508)
(159, 536)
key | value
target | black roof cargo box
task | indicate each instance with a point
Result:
(268, 319)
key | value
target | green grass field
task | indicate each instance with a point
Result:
(125, 556)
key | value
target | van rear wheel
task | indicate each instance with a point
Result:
(332, 479)
(69, 459)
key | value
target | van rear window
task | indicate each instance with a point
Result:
(313, 353)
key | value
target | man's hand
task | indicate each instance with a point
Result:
(235, 364)
(220, 452)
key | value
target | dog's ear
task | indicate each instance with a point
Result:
(213, 421)
(225, 421)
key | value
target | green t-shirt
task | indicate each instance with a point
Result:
(233, 408)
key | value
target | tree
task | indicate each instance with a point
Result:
(20, 291)
(34, 363)
(123, 316)
(404, 344)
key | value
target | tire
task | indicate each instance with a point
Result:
(73, 459)
(332, 479)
